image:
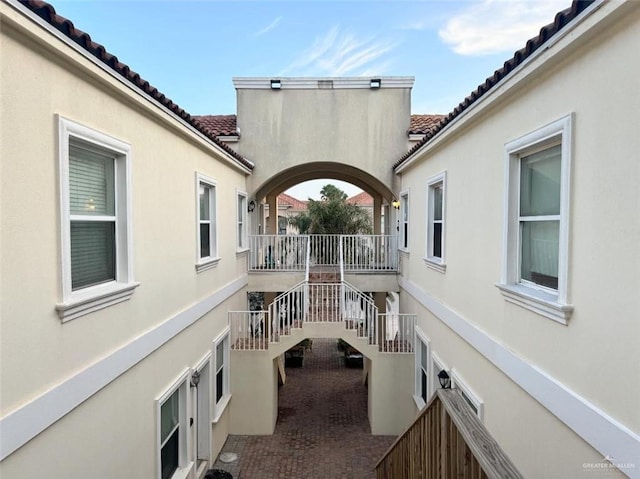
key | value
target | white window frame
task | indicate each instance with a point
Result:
(403, 220)
(205, 364)
(218, 407)
(544, 301)
(468, 394)
(185, 464)
(421, 338)
(242, 238)
(93, 298)
(437, 181)
(213, 259)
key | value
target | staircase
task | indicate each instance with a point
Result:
(323, 305)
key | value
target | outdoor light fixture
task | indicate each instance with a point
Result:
(445, 380)
(251, 206)
(276, 84)
(195, 379)
(395, 204)
(375, 83)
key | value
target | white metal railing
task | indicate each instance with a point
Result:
(307, 262)
(288, 311)
(320, 303)
(397, 332)
(325, 250)
(324, 302)
(341, 261)
(359, 253)
(359, 312)
(278, 252)
(364, 253)
(249, 329)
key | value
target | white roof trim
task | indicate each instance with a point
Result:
(312, 83)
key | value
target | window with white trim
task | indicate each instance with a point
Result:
(173, 430)
(404, 221)
(470, 397)
(423, 389)
(207, 228)
(535, 270)
(97, 268)
(221, 388)
(436, 189)
(242, 221)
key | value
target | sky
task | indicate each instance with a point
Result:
(190, 50)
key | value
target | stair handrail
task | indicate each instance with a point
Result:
(276, 320)
(371, 319)
(445, 407)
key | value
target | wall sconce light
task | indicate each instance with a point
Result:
(251, 206)
(395, 204)
(445, 380)
(276, 84)
(375, 83)
(195, 379)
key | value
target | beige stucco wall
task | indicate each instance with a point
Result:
(361, 128)
(390, 382)
(254, 385)
(595, 356)
(41, 78)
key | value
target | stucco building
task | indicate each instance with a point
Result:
(130, 241)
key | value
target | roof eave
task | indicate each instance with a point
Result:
(475, 100)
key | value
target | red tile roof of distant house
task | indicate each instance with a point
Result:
(219, 125)
(361, 199)
(295, 203)
(423, 124)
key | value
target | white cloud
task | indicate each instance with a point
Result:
(268, 28)
(338, 53)
(495, 26)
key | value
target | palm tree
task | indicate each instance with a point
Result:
(332, 215)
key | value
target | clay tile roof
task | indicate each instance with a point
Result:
(361, 199)
(562, 18)
(219, 125)
(423, 124)
(66, 27)
(295, 203)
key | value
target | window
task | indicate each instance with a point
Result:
(96, 226)
(404, 221)
(537, 233)
(242, 221)
(207, 231)
(436, 188)
(423, 389)
(468, 395)
(172, 429)
(221, 389)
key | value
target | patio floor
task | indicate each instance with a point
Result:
(322, 429)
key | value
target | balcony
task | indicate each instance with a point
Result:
(354, 253)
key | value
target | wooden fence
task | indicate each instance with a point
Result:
(446, 441)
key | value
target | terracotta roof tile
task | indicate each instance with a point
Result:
(361, 199)
(423, 124)
(219, 125)
(66, 27)
(562, 18)
(295, 203)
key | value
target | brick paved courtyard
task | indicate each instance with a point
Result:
(322, 430)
